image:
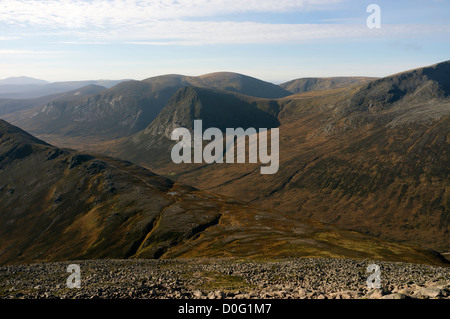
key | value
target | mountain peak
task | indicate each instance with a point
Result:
(302, 85)
(226, 74)
(410, 87)
(216, 108)
(439, 73)
(225, 81)
(9, 132)
(22, 80)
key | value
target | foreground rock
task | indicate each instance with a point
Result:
(217, 279)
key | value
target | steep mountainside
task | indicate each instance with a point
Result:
(322, 84)
(15, 106)
(215, 108)
(58, 204)
(373, 157)
(118, 111)
(225, 81)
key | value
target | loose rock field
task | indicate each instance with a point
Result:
(218, 279)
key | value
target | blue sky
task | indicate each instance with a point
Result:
(275, 40)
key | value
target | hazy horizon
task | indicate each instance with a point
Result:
(130, 79)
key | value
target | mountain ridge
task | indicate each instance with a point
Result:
(22, 80)
(31, 91)
(226, 81)
(218, 109)
(372, 157)
(302, 85)
(131, 106)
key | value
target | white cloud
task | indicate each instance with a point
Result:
(2, 38)
(163, 22)
(30, 53)
(107, 13)
(84, 42)
(196, 33)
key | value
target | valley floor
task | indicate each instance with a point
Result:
(305, 278)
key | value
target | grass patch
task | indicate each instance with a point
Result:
(214, 280)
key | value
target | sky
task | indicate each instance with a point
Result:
(274, 40)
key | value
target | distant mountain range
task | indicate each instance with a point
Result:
(30, 88)
(58, 204)
(22, 80)
(8, 106)
(130, 106)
